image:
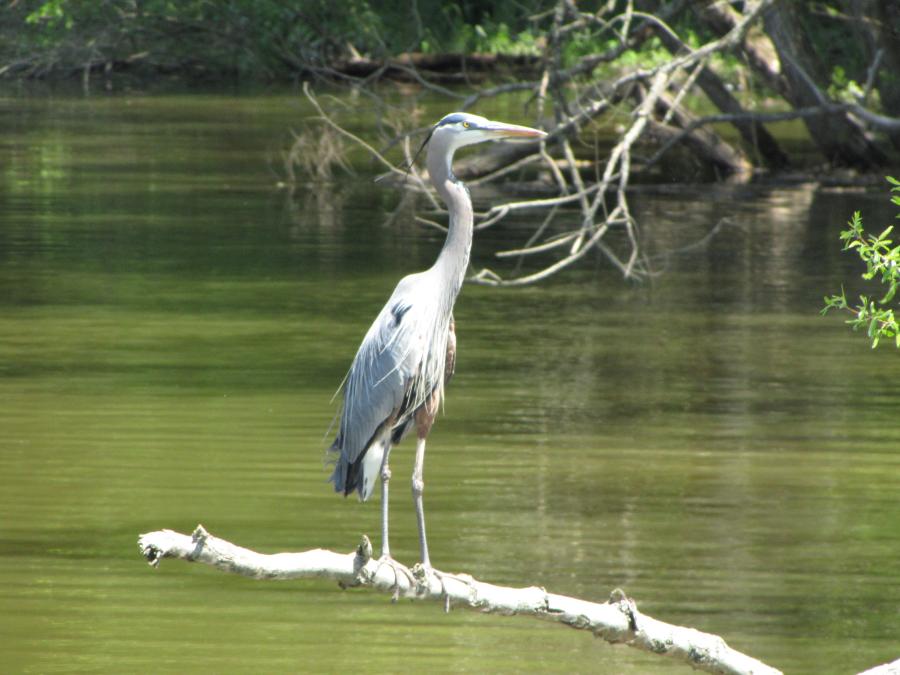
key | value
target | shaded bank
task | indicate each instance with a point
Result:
(834, 65)
(267, 39)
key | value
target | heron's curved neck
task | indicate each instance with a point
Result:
(454, 256)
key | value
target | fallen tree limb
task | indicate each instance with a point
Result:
(878, 122)
(437, 64)
(891, 668)
(755, 135)
(617, 621)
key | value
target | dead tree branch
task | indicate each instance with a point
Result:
(602, 205)
(597, 217)
(648, 104)
(617, 621)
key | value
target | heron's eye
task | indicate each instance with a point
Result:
(466, 125)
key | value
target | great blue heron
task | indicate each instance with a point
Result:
(398, 375)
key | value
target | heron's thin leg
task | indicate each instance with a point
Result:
(385, 478)
(385, 546)
(418, 487)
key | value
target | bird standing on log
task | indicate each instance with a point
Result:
(397, 378)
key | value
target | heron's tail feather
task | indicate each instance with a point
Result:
(371, 465)
(362, 474)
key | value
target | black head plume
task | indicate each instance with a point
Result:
(421, 148)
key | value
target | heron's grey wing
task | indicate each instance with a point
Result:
(380, 375)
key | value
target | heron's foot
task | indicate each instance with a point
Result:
(399, 570)
(427, 577)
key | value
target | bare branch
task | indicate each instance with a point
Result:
(353, 137)
(540, 248)
(618, 164)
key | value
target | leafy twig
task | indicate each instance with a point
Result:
(882, 259)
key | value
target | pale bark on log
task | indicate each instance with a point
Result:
(617, 621)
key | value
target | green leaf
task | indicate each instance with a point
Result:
(873, 327)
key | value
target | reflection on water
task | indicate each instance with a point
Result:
(173, 329)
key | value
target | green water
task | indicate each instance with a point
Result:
(172, 329)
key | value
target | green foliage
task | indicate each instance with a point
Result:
(233, 36)
(51, 11)
(253, 37)
(829, 27)
(279, 38)
(882, 259)
(843, 88)
(499, 39)
(487, 28)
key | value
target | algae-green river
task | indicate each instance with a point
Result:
(173, 327)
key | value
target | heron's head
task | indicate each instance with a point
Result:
(460, 129)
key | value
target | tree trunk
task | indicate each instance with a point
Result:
(887, 32)
(757, 48)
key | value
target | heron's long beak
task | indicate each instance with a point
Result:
(503, 130)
